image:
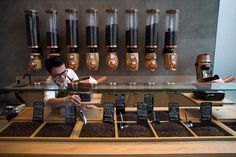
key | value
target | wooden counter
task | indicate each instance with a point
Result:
(178, 148)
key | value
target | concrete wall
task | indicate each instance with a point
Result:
(197, 33)
(225, 52)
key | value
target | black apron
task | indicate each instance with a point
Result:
(62, 93)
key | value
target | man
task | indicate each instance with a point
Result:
(59, 78)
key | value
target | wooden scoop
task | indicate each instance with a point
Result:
(216, 79)
(101, 79)
(86, 83)
(225, 80)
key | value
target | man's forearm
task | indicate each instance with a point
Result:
(56, 102)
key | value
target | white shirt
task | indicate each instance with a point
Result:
(53, 85)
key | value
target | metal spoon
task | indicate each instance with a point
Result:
(155, 120)
(82, 113)
(188, 122)
(123, 124)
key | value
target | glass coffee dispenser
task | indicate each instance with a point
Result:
(171, 29)
(151, 42)
(92, 57)
(132, 56)
(112, 38)
(52, 33)
(72, 38)
(33, 39)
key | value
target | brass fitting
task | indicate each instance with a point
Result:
(132, 61)
(151, 61)
(73, 60)
(170, 61)
(112, 61)
(92, 61)
(35, 62)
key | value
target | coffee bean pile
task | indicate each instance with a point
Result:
(136, 130)
(170, 129)
(98, 130)
(56, 130)
(20, 129)
(161, 115)
(128, 116)
(210, 129)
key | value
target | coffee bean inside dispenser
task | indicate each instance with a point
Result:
(112, 35)
(170, 38)
(92, 36)
(132, 37)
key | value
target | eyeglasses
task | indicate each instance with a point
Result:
(64, 73)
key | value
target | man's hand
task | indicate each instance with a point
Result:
(74, 99)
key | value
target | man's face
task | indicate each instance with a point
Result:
(59, 74)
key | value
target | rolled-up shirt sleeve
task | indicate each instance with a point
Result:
(72, 74)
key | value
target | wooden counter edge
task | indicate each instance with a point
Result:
(191, 148)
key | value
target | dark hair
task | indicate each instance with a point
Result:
(53, 62)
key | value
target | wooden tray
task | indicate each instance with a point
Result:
(79, 124)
